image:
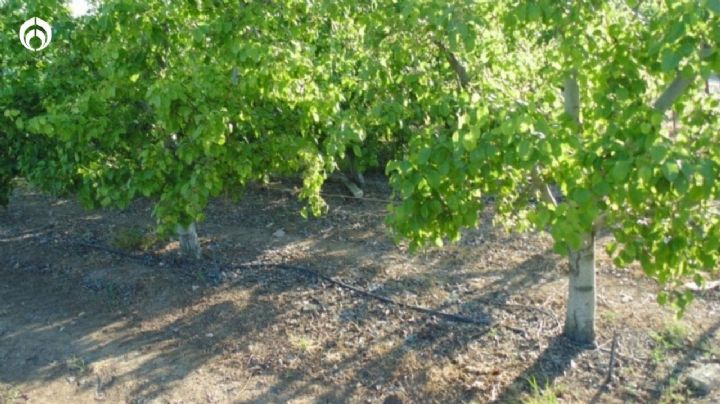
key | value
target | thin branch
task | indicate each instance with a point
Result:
(383, 299)
(145, 258)
(624, 356)
(542, 188)
(549, 195)
(571, 95)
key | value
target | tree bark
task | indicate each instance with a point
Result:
(355, 172)
(677, 88)
(354, 189)
(580, 318)
(679, 85)
(189, 244)
(460, 70)
(571, 96)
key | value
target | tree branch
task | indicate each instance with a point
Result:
(678, 86)
(571, 94)
(542, 188)
(460, 70)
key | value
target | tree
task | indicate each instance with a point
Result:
(556, 110)
(572, 98)
(178, 101)
(23, 90)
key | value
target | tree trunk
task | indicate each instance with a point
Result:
(354, 189)
(580, 319)
(355, 172)
(189, 244)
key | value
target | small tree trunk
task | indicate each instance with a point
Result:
(580, 319)
(354, 189)
(189, 244)
(355, 172)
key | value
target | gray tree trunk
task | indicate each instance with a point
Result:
(580, 318)
(189, 244)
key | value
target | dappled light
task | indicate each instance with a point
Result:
(387, 201)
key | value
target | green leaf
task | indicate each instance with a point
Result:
(524, 149)
(670, 171)
(424, 155)
(581, 196)
(621, 170)
(658, 153)
(602, 188)
(677, 29)
(670, 60)
(637, 195)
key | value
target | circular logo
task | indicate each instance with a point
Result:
(35, 28)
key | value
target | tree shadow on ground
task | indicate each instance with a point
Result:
(551, 364)
(50, 332)
(68, 312)
(427, 338)
(167, 331)
(694, 352)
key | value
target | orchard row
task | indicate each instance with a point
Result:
(558, 110)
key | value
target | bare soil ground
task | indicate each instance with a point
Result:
(82, 325)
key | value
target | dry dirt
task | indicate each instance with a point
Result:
(81, 325)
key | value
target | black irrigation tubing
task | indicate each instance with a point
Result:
(384, 299)
(145, 257)
(516, 306)
(361, 198)
(333, 195)
(311, 273)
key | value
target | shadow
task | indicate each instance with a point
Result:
(552, 363)
(419, 339)
(50, 333)
(82, 321)
(369, 375)
(686, 361)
